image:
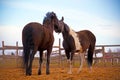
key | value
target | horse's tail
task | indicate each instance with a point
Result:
(90, 53)
(26, 52)
(27, 40)
(90, 56)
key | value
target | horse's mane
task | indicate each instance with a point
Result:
(49, 16)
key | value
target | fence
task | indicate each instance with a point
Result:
(6, 60)
(60, 57)
(108, 56)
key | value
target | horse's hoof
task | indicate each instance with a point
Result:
(47, 73)
(90, 70)
(69, 72)
(79, 71)
(39, 73)
(29, 74)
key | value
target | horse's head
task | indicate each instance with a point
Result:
(51, 20)
(60, 28)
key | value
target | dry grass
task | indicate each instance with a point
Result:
(10, 70)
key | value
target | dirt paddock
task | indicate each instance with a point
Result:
(10, 70)
(98, 73)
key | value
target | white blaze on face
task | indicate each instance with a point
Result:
(76, 39)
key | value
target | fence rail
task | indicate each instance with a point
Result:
(101, 50)
(8, 47)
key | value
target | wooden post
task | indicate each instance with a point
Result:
(103, 52)
(3, 48)
(95, 59)
(60, 51)
(112, 60)
(17, 54)
(16, 48)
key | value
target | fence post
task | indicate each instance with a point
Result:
(3, 48)
(17, 54)
(60, 51)
(103, 52)
(16, 48)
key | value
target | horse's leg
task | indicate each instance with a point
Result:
(81, 61)
(68, 54)
(27, 68)
(31, 57)
(40, 62)
(71, 57)
(48, 60)
(70, 68)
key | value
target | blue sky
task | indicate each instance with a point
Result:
(102, 17)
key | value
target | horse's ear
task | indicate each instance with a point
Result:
(53, 15)
(62, 18)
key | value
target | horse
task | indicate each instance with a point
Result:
(80, 42)
(38, 37)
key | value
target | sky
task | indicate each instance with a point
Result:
(102, 17)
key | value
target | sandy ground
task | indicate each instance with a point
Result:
(98, 73)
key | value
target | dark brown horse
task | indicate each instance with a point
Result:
(77, 42)
(38, 37)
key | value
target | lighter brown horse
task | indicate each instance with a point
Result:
(80, 42)
(38, 37)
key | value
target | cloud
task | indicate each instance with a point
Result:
(30, 5)
(10, 34)
(75, 18)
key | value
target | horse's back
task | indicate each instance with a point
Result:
(87, 34)
(31, 33)
(36, 35)
(30, 28)
(86, 38)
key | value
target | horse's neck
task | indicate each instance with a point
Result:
(68, 32)
(65, 33)
(49, 26)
